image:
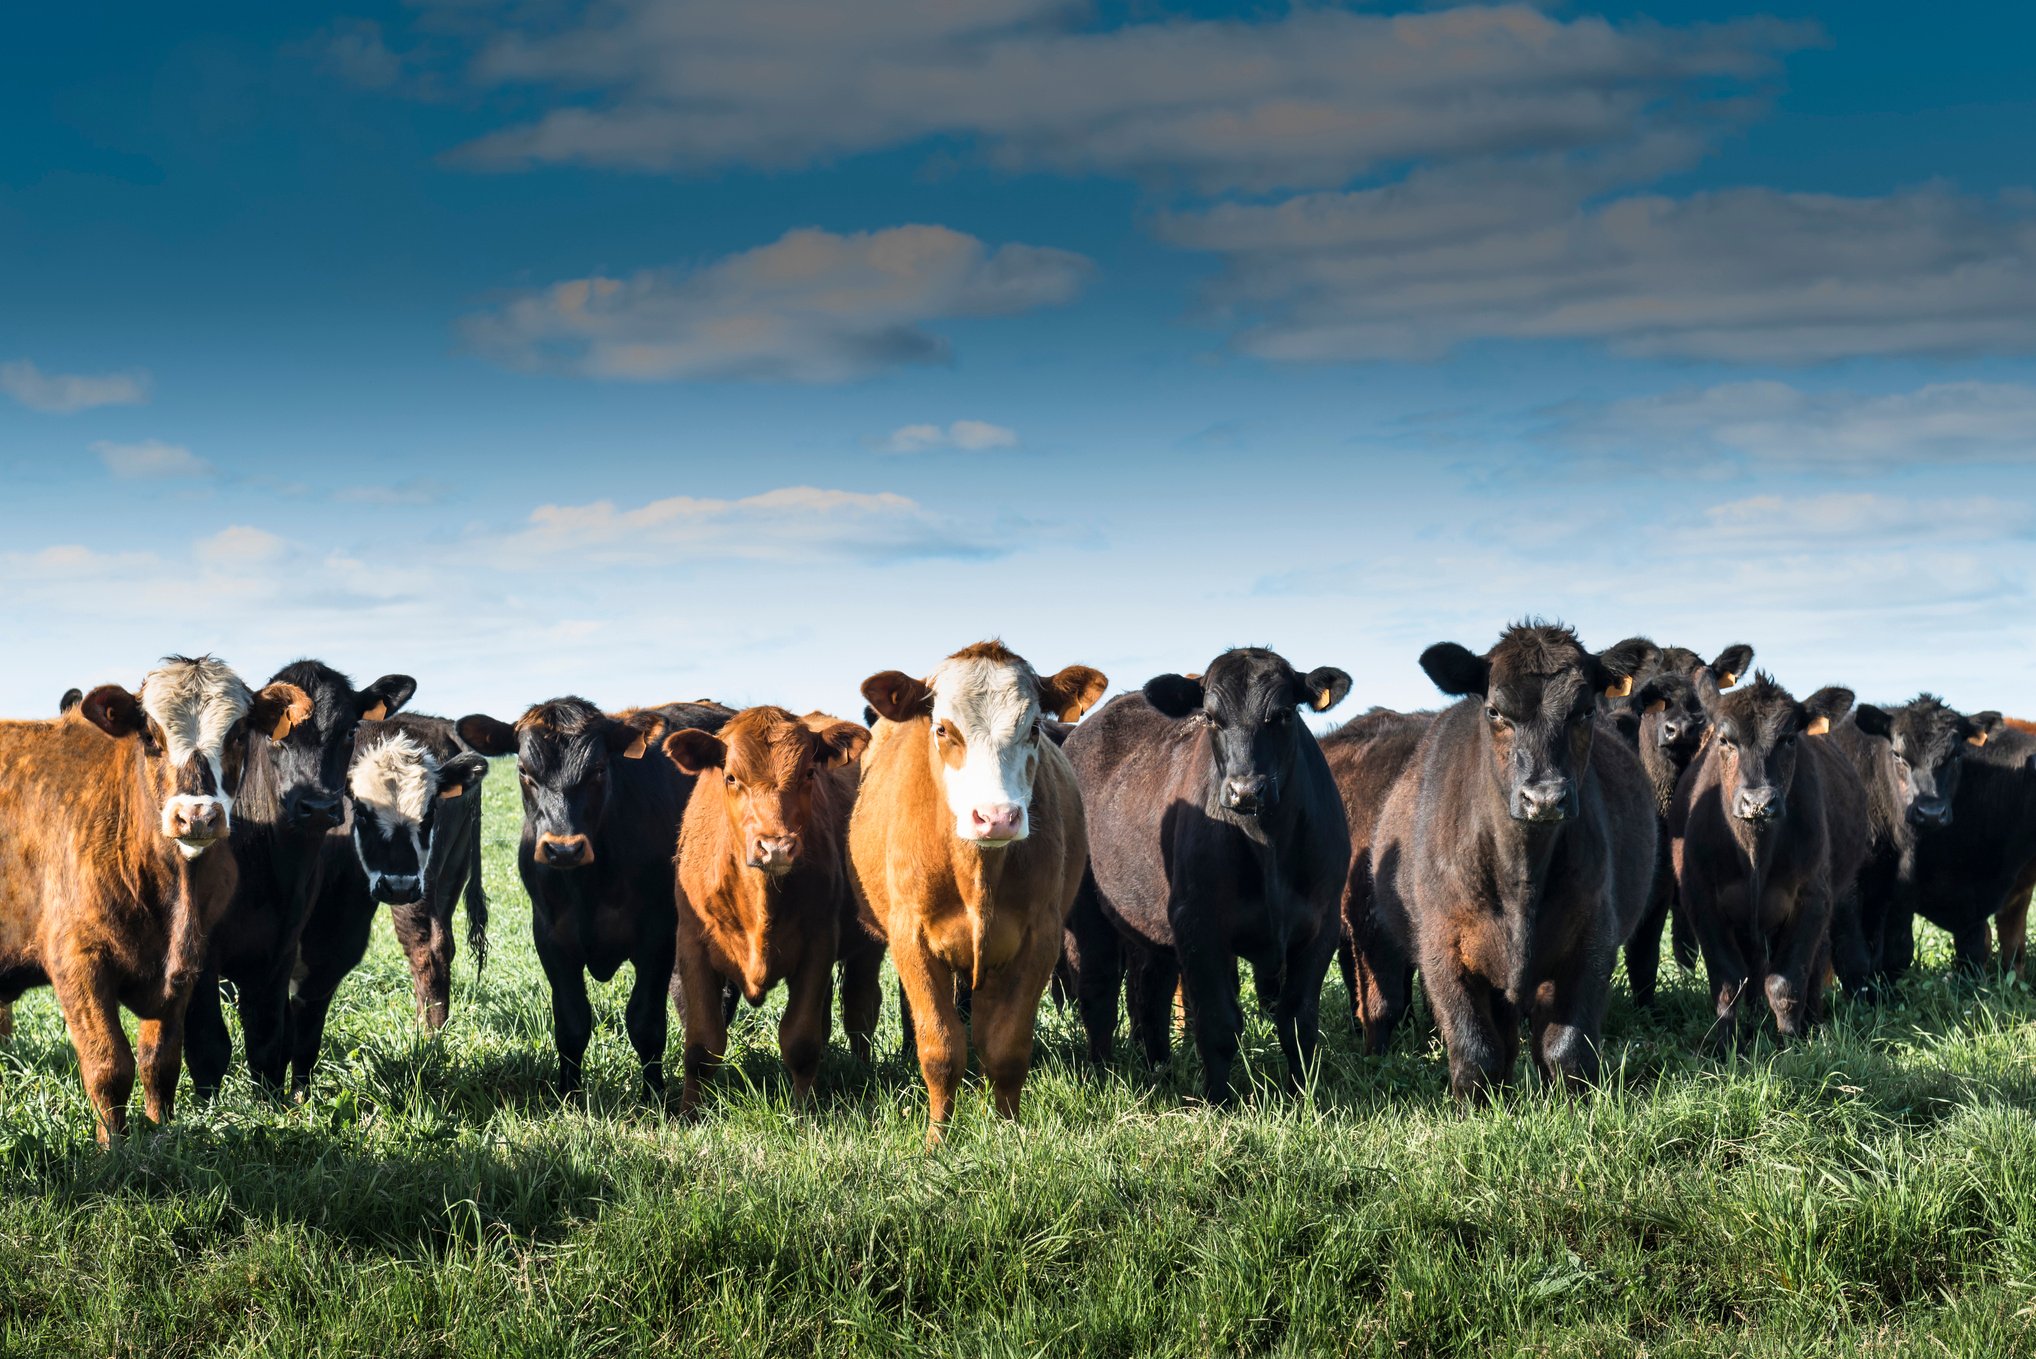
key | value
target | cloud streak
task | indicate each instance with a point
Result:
(69, 393)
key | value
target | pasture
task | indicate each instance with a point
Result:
(1871, 1191)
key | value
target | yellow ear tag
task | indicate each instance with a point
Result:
(1978, 738)
(1727, 680)
(1818, 726)
(452, 790)
(1660, 705)
(1619, 687)
(1323, 700)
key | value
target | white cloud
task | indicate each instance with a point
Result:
(356, 50)
(1779, 425)
(68, 393)
(239, 545)
(151, 459)
(811, 306)
(1857, 517)
(970, 436)
(1309, 98)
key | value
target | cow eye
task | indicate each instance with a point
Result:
(730, 780)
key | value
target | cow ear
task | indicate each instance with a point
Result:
(869, 715)
(1824, 707)
(114, 711)
(1873, 721)
(695, 751)
(487, 735)
(1983, 727)
(836, 743)
(1651, 697)
(71, 699)
(1620, 662)
(1175, 695)
(1708, 697)
(1732, 662)
(385, 696)
(278, 709)
(1457, 670)
(630, 736)
(1072, 692)
(462, 772)
(896, 697)
(1323, 688)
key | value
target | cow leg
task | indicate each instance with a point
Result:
(704, 1020)
(1097, 962)
(645, 1017)
(1851, 955)
(572, 1018)
(1209, 978)
(334, 942)
(162, 1056)
(928, 984)
(1643, 950)
(208, 1047)
(1297, 1010)
(1796, 976)
(1006, 1011)
(1728, 974)
(1972, 948)
(264, 1027)
(1385, 982)
(802, 1032)
(1153, 980)
(1566, 1019)
(1479, 1029)
(105, 1059)
(2012, 926)
(862, 995)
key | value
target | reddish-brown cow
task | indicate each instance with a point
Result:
(111, 875)
(763, 892)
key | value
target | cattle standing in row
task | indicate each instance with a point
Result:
(1215, 833)
(1366, 754)
(290, 797)
(967, 846)
(1983, 864)
(1770, 830)
(1514, 855)
(411, 841)
(113, 868)
(763, 888)
(600, 828)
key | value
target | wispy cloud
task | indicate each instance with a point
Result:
(969, 436)
(151, 460)
(68, 393)
(811, 306)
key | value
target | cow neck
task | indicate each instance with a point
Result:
(181, 894)
(1662, 774)
(1520, 857)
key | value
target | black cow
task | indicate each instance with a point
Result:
(600, 827)
(1514, 855)
(289, 799)
(411, 840)
(1983, 864)
(1215, 833)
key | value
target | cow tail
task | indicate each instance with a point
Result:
(477, 910)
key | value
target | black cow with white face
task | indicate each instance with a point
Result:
(600, 827)
(290, 798)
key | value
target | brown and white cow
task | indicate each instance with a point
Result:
(763, 893)
(113, 820)
(967, 846)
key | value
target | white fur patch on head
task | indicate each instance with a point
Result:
(196, 703)
(395, 779)
(993, 702)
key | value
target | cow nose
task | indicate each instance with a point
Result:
(996, 821)
(198, 820)
(1757, 804)
(1671, 732)
(1244, 793)
(1930, 812)
(565, 851)
(1546, 801)
(397, 889)
(314, 810)
(774, 854)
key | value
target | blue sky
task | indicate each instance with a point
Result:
(655, 350)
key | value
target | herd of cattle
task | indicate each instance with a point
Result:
(161, 842)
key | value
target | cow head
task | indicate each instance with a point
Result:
(400, 790)
(1672, 719)
(1927, 741)
(1680, 662)
(1758, 728)
(190, 717)
(1540, 690)
(563, 751)
(983, 705)
(1250, 699)
(768, 762)
(309, 766)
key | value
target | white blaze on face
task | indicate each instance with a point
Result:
(197, 704)
(994, 705)
(393, 782)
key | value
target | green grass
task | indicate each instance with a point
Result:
(1870, 1192)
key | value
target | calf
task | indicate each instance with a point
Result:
(1983, 863)
(763, 892)
(411, 840)
(1514, 854)
(600, 828)
(1215, 833)
(289, 799)
(1770, 829)
(967, 844)
(112, 871)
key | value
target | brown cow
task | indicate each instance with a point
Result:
(110, 879)
(763, 893)
(967, 846)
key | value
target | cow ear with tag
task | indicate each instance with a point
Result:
(1731, 663)
(1324, 687)
(278, 709)
(1979, 728)
(386, 695)
(1619, 663)
(1824, 707)
(461, 775)
(1072, 692)
(835, 743)
(630, 736)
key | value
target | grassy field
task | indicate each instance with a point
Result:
(1872, 1191)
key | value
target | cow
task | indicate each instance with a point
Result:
(966, 846)
(1365, 755)
(289, 799)
(1909, 759)
(116, 861)
(1514, 855)
(600, 829)
(1215, 834)
(411, 841)
(1983, 863)
(1770, 829)
(763, 889)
